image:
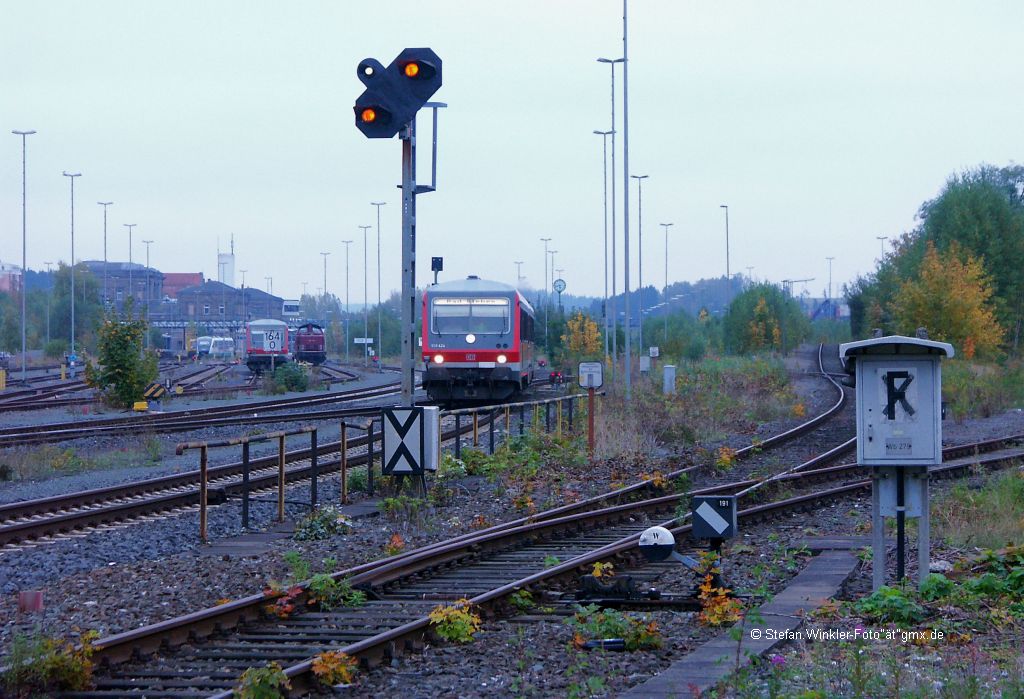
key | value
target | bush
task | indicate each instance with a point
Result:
(40, 666)
(456, 623)
(591, 623)
(55, 349)
(124, 369)
(891, 605)
(936, 586)
(263, 682)
(322, 523)
(292, 377)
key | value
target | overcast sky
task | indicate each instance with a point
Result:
(821, 124)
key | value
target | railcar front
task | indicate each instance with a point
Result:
(266, 344)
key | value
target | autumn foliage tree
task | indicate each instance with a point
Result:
(582, 337)
(952, 298)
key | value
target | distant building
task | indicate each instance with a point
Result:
(124, 279)
(10, 277)
(218, 304)
(174, 282)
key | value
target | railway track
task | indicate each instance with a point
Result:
(218, 668)
(484, 567)
(183, 419)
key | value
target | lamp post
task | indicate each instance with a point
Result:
(24, 247)
(547, 299)
(243, 271)
(881, 240)
(614, 305)
(147, 243)
(366, 301)
(270, 292)
(348, 340)
(105, 204)
(604, 147)
(72, 176)
(48, 295)
(519, 271)
(640, 250)
(552, 280)
(131, 288)
(325, 254)
(666, 226)
(830, 276)
(728, 277)
(625, 188)
(380, 332)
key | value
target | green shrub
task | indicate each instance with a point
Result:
(39, 666)
(292, 377)
(328, 593)
(890, 605)
(936, 586)
(591, 623)
(322, 523)
(268, 682)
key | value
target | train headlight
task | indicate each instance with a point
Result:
(471, 338)
(438, 359)
(502, 359)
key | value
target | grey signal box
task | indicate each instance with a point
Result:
(899, 402)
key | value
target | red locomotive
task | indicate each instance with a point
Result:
(310, 344)
(477, 341)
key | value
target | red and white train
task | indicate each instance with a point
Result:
(477, 341)
(266, 344)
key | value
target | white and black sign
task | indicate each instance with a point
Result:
(591, 374)
(654, 351)
(714, 516)
(402, 441)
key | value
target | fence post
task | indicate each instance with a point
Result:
(313, 500)
(245, 484)
(494, 419)
(476, 428)
(458, 435)
(558, 416)
(202, 493)
(508, 420)
(547, 417)
(344, 463)
(369, 460)
(522, 419)
(572, 403)
(280, 478)
(590, 421)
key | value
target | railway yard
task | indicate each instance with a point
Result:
(110, 537)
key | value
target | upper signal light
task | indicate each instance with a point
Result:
(412, 69)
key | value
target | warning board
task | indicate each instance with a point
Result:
(403, 441)
(714, 516)
(154, 391)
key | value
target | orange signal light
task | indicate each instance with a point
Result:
(369, 115)
(412, 69)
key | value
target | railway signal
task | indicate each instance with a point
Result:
(394, 94)
(388, 107)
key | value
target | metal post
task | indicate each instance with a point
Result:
(590, 422)
(369, 461)
(280, 478)
(494, 418)
(878, 558)
(476, 429)
(24, 249)
(558, 420)
(665, 294)
(923, 529)
(522, 419)
(72, 175)
(458, 435)
(901, 523)
(625, 192)
(245, 484)
(344, 463)
(366, 301)
(640, 255)
(547, 417)
(572, 402)
(408, 136)
(313, 500)
(604, 145)
(380, 336)
(508, 420)
(202, 492)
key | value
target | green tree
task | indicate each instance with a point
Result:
(124, 370)
(763, 318)
(88, 309)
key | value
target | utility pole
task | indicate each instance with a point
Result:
(348, 308)
(72, 176)
(666, 226)
(366, 302)
(640, 253)
(24, 248)
(105, 204)
(625, 188)
(380, 333)
(147, 243)
(131, 288)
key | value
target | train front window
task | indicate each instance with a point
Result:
(462, 316)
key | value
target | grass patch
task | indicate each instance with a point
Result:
(48, 461)
(975, 389)
(989, 516)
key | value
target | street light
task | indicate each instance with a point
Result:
(325, 254)
(615, 312)
(104, 204)
(380, 334)
(625, 192)
(72, 176)
(24, 247)
(366, 302)
(666, 226)
(348, 340)
(147, 242)
(547, 299)
(640, 248)
(131, 288)
(48, 295)
(604, 146)
(881, 239)
(519, 271)
(243, 271)
(830, 276)
(551, 281)
(728, 277)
